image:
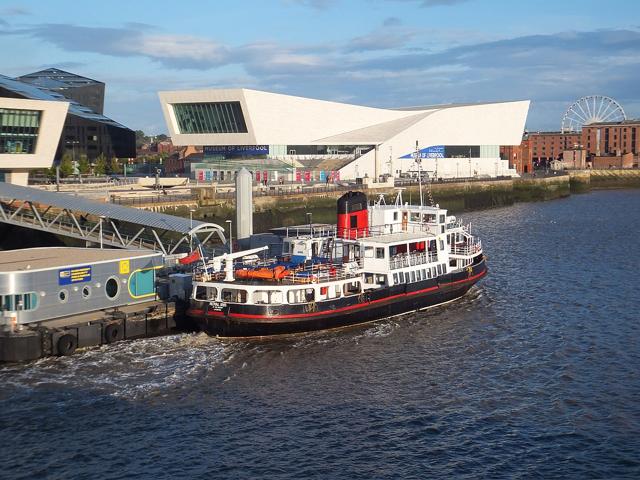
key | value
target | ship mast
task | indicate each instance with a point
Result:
(419, 162)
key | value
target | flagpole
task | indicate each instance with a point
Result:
(419, 162)
(204, 264)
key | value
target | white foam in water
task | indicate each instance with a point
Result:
(128, 370)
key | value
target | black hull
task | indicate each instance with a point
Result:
(237, 320)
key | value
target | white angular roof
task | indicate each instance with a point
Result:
(277, 119)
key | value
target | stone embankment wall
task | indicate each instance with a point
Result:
(615, 178)
(272, 211)
(586, 180)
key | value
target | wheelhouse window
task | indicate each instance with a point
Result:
(380, 252)
(232, 295)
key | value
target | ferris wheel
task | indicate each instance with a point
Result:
(591, 109)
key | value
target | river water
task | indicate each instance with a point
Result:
(534, 374)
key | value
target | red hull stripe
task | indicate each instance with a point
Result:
(198, 312)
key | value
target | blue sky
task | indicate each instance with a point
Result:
(383, 53)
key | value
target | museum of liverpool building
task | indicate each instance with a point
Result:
(282, 137)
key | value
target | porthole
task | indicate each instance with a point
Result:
(63, 296)
(112, 288)
(86, 291)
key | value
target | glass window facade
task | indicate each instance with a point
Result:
(462, 151)
(218, 117)
(19, 130)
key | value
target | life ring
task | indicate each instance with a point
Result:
(112, 333)
(67, 345)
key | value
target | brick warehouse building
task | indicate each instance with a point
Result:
(85, 131)
(519, 156)
(610, 140)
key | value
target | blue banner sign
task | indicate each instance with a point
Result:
(74, 275)
(435, 151)
(236, 150)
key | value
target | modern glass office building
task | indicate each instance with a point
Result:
(85, 131)
(83, 90)
(30, 133)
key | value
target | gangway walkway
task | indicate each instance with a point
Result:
(104, 224)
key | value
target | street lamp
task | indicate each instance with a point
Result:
(191, 210)
(309, 215)
(73, 144)
(102, 217)
(230, 235)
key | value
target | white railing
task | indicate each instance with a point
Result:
(411, 259)
(317, 231)
(323, 231)
(303, 274)
(321, 273)
(466, 249)
(386, 229)
(456, 224)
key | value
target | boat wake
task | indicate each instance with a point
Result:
(128, 370)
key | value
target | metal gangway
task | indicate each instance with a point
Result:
(103, 224)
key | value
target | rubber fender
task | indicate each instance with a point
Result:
(113, 332)
(67, 345)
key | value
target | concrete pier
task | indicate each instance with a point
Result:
(64, 336)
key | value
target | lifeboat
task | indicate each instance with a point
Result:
(275, 273)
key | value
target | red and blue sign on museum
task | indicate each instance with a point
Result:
(236, 150)
(434, 151)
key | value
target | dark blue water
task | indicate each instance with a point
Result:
(535, 374)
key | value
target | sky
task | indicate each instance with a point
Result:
(380, 53)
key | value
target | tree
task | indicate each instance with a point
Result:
(114, 166)
(161, 138)
(141, 138)
(100, 167)
(83, 165)
(66, 164)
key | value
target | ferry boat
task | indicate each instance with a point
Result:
(378, 261)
